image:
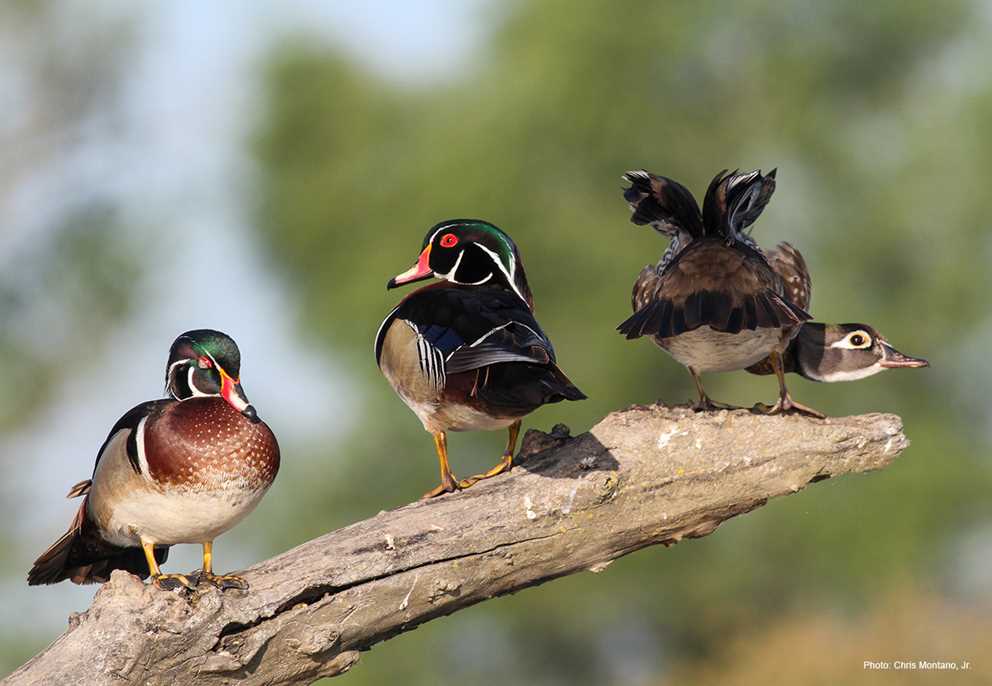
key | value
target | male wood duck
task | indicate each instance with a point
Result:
(184, 469)
(714, 302)
(466, 353)
(828, 352)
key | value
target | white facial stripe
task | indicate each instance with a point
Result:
(502, 268)
(854, 375)
(513, 259)
(169, 375)
(449, 276)
(139, 440)
(474, 283)
(846, 344)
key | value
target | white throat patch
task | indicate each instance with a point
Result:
(853, 375)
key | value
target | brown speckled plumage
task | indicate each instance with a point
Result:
(204, 443)
(180, 470)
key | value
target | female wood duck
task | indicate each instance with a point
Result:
(180, 470)
(714, 302)
(828, 352)
(466, 353)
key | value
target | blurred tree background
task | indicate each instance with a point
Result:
(878, 118)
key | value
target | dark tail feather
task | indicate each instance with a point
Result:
(50, 567)
(634, 326)
(798, 312)
(81, 556)
(717, 309)
(82, 488)
(734, 201)
(664, 318)
(664, 203)
(769, 310)
(654, 319)
(561, 387)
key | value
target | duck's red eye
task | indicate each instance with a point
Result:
(449, 240)
(205, 362)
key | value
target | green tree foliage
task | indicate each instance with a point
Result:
(878, 121)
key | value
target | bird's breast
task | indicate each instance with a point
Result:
(706, 350)
(206, 445)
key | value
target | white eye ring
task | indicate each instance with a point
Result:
(850, 342)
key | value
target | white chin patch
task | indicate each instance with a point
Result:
(854, 375)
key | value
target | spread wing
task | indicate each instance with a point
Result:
(710, 284)
(789, 264)
(735, 200)
(663, 203)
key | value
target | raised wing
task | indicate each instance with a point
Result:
(711, 284)
(734, 200)
(663, 203)
(789, 264)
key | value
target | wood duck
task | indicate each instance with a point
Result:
(466, 353)
(829, 352)
(184, 469)
(714, 302)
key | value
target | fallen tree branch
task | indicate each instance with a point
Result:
(640, 477)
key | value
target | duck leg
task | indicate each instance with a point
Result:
(785, 402)
(448, 483)
(165, 581)
(221, 581)
(705, 403)
(504, 465)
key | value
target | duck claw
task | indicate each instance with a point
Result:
(222, 582)
(788, 405)
(172, 582)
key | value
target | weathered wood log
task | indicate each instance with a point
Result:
(642, 476)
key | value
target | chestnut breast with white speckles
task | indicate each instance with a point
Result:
(205, 444)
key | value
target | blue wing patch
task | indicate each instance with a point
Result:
(443, 338)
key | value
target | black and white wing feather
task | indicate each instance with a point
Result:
(459, 330)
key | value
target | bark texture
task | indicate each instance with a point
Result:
(642, 476)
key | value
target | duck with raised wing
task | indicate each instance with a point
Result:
(466, 353)
(184, 469)
(713, 302)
